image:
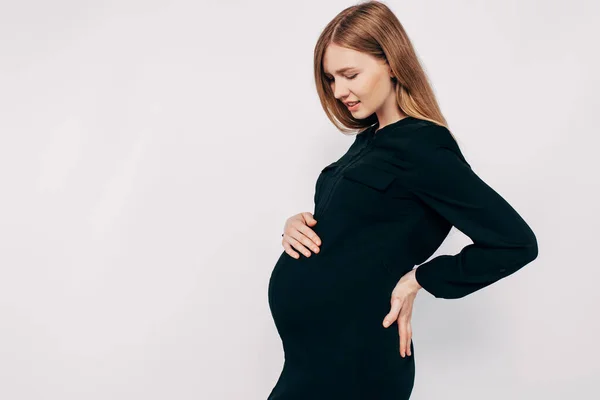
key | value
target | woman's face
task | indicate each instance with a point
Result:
(356, 76)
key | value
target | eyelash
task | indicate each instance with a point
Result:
(350, 77)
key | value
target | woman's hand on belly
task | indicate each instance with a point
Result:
(297, 234)
(402, 300)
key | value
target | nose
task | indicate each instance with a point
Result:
(340, 91)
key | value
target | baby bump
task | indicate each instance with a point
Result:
(311, 293)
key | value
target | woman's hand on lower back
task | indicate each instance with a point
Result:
(298, 235)
(401, 306)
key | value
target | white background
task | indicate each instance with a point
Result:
(150, 152)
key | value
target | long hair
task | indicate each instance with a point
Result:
(371, 27)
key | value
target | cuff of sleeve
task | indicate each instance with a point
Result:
(424, 279)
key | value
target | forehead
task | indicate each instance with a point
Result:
(337, 57)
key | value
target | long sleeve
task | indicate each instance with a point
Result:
(503, 243)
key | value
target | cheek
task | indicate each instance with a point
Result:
(366, 89)
(378, 90)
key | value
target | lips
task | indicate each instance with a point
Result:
(351, 103)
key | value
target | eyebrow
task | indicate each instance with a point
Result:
(341, 70)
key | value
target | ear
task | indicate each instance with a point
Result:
(389, 68)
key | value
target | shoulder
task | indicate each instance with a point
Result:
(433, 144)
(420, 133)
(431, 136)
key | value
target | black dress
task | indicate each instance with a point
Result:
(385, 206)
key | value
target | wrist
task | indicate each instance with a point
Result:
(414, 279)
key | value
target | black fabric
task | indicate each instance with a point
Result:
(385, 206)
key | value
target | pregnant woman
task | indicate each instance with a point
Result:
(342, 292)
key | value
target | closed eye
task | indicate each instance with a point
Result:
(347, 77)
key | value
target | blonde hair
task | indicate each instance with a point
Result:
(371, 27)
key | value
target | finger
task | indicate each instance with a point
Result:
(305, 235)
(309, 218)
(408, 337)
(409, 331)
(409, 327)
(405, 336)
(311, 238)
(394, 312)
(289, 250)
(402, 335)
(409, 341)
(297, 245)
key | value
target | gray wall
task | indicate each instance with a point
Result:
(150, 152)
